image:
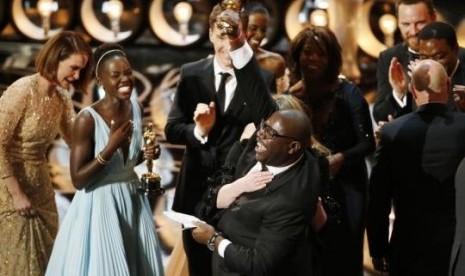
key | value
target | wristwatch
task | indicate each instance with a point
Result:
(211, 241)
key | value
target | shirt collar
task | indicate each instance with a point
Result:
(217, 68)
(278, 170)
(455, 69)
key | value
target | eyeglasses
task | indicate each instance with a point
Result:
(271, 133)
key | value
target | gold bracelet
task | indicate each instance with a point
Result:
(101, 160)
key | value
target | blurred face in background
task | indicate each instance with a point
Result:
(313, 60)
(411, 19)
(256, 30)
(440, 51)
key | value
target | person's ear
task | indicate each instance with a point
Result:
(98, 81)
(294, 147)
(412, 90)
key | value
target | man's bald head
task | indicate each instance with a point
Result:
(283, 137)
(296, 124)
(430, 82)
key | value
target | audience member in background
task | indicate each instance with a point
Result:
(109, 228)
(414, 169)
(342, 123)
(412, 16)
(208, 125)
(438, 41)
(34, 109)
(256, 32)
(264, 231)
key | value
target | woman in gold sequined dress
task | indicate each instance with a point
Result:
(34, 109)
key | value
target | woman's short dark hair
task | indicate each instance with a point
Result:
(254, 7)
(326, 41)
(60, 47)
(105, 51)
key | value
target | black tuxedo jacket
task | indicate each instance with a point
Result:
(457, 259)
(268, 228)
(415, 166)
(251, 102)
(385, 103)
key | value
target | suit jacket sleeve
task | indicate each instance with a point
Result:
(379, 202)
(270, 80)
(180, 125)
(251, 84)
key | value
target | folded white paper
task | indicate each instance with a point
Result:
(185, 219)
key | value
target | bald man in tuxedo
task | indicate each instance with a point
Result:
(414, 168)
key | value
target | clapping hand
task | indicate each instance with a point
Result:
(380, 127)
(458, 92)
(205, 117)
(398, 78)
(412, 64)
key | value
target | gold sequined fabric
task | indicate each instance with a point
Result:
(30, 119)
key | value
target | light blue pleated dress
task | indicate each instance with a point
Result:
(109, 228)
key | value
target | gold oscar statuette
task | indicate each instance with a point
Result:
(235, 5)
(150, 181)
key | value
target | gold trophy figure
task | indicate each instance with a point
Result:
(235, 5)
(150, 181)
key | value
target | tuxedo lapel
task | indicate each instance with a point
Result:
(405, 57)
(208, 79)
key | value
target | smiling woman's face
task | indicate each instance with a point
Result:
(116, 77)
(313, 60)
(256, 29)
(69, 69)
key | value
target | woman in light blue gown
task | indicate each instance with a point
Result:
(109, 228)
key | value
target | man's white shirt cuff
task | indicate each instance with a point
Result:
(199, 137)
(222, 246)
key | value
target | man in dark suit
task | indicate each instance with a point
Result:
(265, 232)
(412, 16)
(438, 41)
(207, 123)
(415, 165)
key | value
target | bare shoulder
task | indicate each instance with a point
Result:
(273, 62)
(84, 122)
